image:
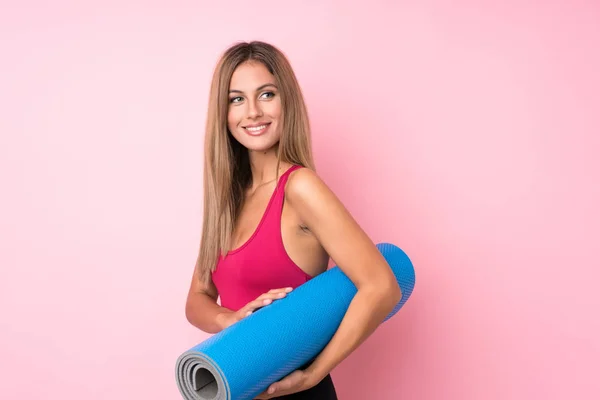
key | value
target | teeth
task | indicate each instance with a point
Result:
(256, 129)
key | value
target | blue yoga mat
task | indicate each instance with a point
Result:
(240, 362)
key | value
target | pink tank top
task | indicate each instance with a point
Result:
(260, 264)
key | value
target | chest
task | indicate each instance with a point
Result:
(254, 210)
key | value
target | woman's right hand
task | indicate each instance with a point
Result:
(231, 317)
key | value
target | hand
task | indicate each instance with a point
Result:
(297, 381)
(230, 318)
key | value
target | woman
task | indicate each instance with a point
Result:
(270, 223)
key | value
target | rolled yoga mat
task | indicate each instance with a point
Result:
(240, 362)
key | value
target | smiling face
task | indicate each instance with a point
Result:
(254, 114)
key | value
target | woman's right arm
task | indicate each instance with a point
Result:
(201, 308)
(203, 312)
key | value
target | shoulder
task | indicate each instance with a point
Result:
(304, 182)
(307, 193)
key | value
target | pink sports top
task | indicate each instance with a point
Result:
(260, 264)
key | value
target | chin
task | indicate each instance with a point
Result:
(259, 147)
(261, 143)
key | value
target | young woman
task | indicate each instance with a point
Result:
(270, 223)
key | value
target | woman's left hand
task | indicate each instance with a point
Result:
(297, 381)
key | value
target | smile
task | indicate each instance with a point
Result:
(257, 130)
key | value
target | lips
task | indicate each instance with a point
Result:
(257, 129)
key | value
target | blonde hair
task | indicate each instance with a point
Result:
(226, 163)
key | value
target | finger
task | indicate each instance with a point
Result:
(285, 290)
(271, 296)
(275, 387)
(265, 299)
(261, 302)
(256, 305)
(282, 386)
(291, 381)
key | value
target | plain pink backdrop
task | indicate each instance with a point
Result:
(466, 132)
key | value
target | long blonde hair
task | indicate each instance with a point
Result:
(226, 163)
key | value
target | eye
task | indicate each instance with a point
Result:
(235, 99)
(270, 94)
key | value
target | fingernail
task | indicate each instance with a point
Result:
(288, 289)
(248, 313)
(267, 301)
(281, 294)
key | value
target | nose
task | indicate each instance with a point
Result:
(254, 109)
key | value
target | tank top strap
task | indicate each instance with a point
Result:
(274, 212)
(284, 177)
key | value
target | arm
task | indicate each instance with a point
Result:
(356, 255)
(203, 312)
(201, 308)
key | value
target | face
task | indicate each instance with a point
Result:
(254, 113)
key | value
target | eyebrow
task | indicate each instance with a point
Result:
(257, 89)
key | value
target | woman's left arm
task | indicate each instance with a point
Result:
(360, 260)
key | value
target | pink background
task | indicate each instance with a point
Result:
(466, 132)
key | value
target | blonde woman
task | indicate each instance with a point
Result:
(270, 223)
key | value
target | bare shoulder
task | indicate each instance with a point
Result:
(316, 204)
(305, 184)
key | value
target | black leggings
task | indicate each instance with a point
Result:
(324, 390)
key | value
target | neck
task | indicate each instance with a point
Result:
(264, 166)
